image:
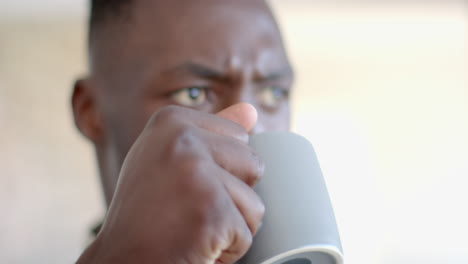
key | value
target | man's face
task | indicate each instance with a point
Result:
(205, 54)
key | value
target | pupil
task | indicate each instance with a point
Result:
(194, 93)
(277, 93)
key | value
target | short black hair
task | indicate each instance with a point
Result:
(103, 11)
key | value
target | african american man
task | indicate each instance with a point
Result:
(174, 89)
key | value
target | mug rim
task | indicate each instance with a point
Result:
(331, 250)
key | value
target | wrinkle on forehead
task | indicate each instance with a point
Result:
(227, 33)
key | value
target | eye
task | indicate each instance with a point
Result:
(271, 97)
(192, 96)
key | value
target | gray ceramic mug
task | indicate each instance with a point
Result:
(299, 226)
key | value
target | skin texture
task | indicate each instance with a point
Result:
(176, 176)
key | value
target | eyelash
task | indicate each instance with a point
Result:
(278, 95)
(178, 96)
(284, 91)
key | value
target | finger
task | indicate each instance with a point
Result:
(229, 236)
(246, 200)
(239, 237)
(236, 157)
(242, 113)
(214, 123)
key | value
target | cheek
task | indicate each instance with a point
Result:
(124, 128)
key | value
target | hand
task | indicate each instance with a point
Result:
(185, 192)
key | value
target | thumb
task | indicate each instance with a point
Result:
(243, 114)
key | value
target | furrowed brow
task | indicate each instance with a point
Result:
(202, 71)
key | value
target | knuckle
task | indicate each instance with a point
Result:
(248, 238)
(166, 114)
(260, 211)
(183, 139)
(234, 239)
(257, 212)
(257, 169)
(218, 242)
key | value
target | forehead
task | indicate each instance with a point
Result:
(164, 33)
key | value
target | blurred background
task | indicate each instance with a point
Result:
(382, 92)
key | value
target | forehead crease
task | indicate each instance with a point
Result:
(167, 32)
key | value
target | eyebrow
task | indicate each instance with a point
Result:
(207, 72)
(202, 71)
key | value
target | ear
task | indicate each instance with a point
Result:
(87, 118)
